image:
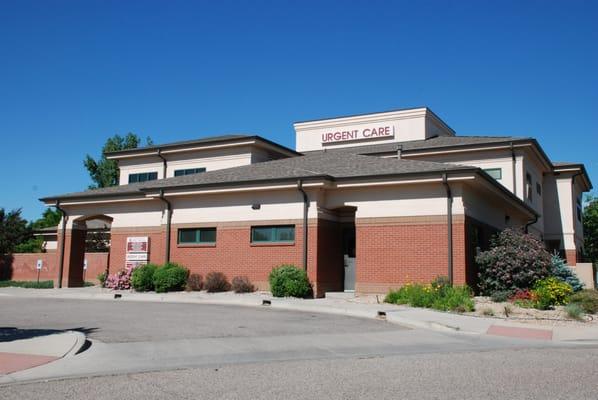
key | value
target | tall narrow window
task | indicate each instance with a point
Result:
(528, 186)
(579, 208)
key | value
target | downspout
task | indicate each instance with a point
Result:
(514, 168)
(449, 223)
(62, 242)
(159, 154)
(168, 223)
(530, 223)
(305, 209)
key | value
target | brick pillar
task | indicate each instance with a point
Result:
(74, 255)
(571, 257)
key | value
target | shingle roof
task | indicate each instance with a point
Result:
(194, 142)
(330, 165)
(432, 143)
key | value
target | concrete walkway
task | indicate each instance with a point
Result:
(341, 305)
(21, 354)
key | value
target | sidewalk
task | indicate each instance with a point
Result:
(21, 354)
(411, 317)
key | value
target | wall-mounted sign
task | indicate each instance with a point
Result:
(137, 251)
(136, 256)
(85, 264)
(39, 265)
(138, 244)
(370, 132)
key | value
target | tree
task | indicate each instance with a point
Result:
(13, 230)
(104, 172)
(590, 228)
(49, 218)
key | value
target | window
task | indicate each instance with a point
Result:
(528, 186)
(190, 171)
(269, 234)
(197, 236)
(143, 176)
(496, 173)
(579, 208)
(538, 188)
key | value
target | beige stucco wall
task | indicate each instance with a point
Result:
(415, 124)
(210, 159)
(125, 214)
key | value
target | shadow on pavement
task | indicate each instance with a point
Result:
(8, 333)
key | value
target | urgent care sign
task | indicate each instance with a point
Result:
(353, 134)
(137, 251)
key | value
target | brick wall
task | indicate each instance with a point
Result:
(391, 253)
(235, 255)
(22, 266)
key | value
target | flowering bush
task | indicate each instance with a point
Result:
(551, 292)
(436, 295)
(515, 261)
(120, 280)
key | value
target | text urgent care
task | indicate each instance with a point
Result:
(358, 134)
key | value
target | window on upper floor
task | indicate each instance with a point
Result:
(538, 188)
(496, 173)
(197, 236)
(188, 171)
(273, 234)
(528, 186)
(143, 177)
(579, 208)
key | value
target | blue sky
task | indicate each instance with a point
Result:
(74, 73)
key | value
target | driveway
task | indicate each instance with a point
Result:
(118, 321)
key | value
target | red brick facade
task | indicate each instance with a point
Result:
(22, 267)
(389, 252)
(393, 252)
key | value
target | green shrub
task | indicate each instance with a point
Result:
(561, 271)
(438, 297)
(170, 277)
(587, 299)
(216, 282)
(28, 284)
(574, 311)
(500, 296)
(88, 284)
(142, 278)
(102, 278)
(289, 281)
(515, 261)
(551, 292)
(241, 284)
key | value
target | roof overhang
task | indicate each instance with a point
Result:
(200, 145)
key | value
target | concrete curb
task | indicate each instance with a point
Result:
(64, 344)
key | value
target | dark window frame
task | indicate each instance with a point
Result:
(529, 186)
(147, 176)
(273, 233)
(492, 171)
(198, 236)
(188, 171)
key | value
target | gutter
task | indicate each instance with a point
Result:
(168, 224)
(449, 223)
(62, 242)
(305, 210)
(514, 168)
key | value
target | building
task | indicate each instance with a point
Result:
(365, 202)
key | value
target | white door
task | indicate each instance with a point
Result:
(349, 273)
